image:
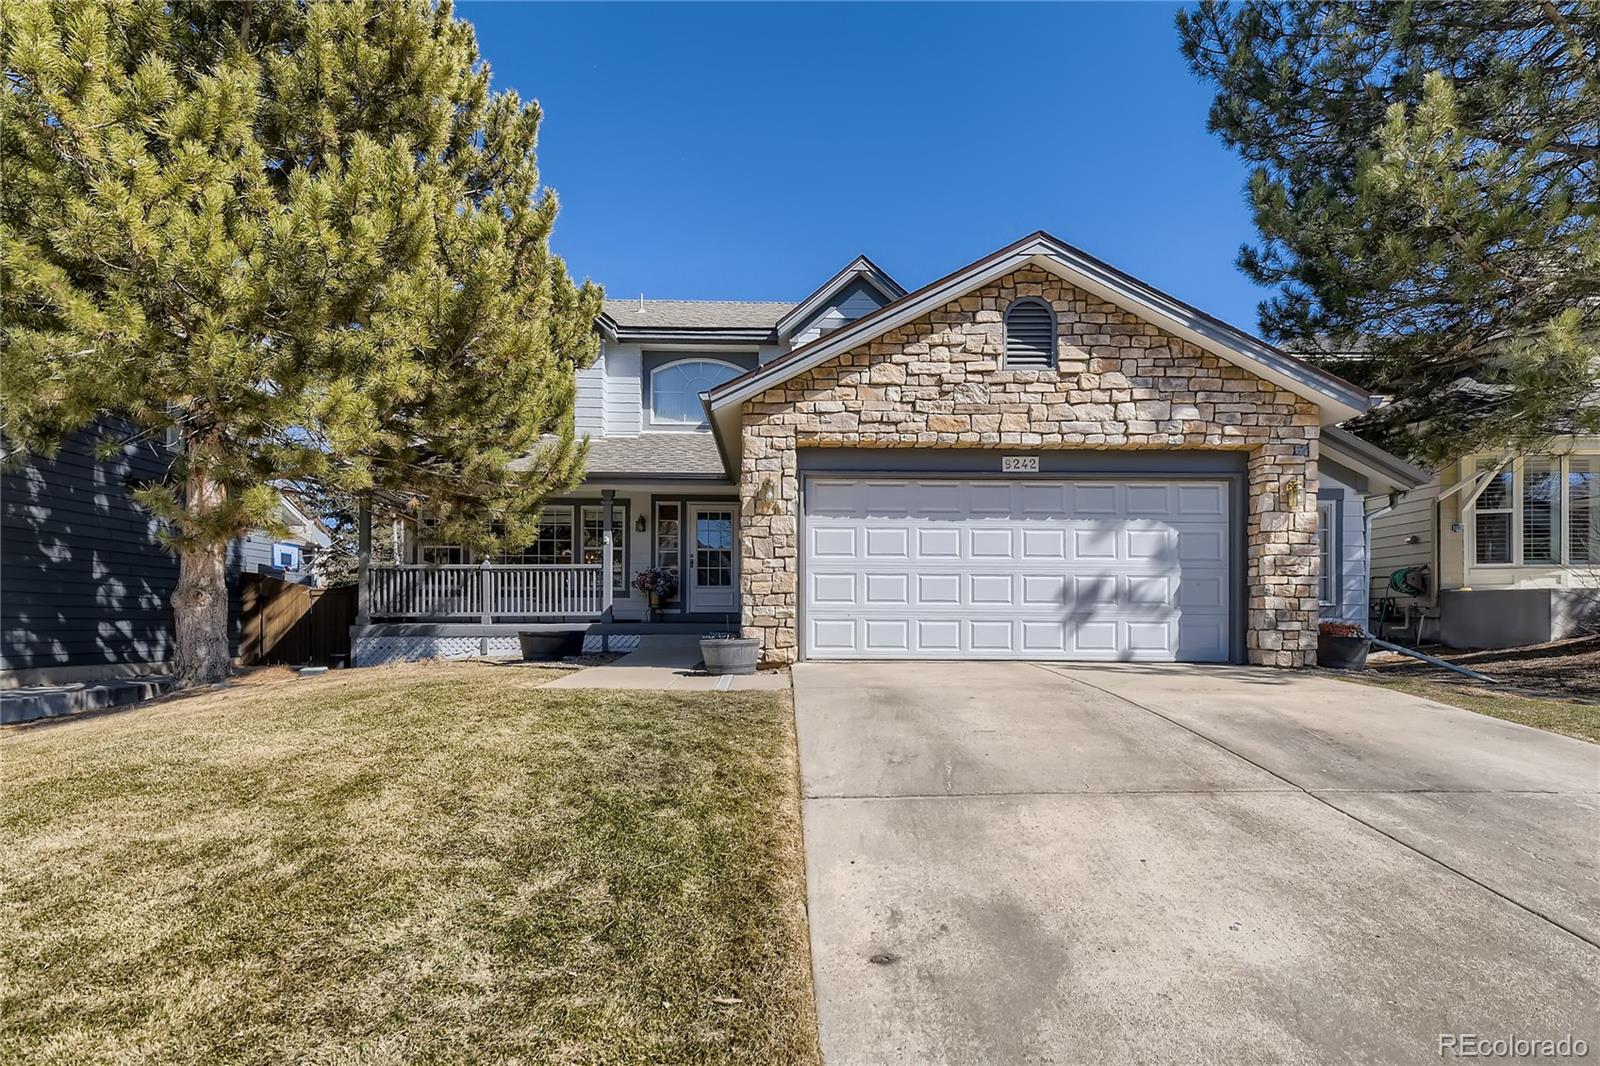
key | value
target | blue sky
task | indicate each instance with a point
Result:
(747, 151)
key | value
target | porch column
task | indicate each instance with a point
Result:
(364, 562)
(608, 574)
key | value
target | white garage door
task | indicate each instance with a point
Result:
(1083, 569)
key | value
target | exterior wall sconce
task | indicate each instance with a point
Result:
(767, 497)
(1291, 494)
(639, 524)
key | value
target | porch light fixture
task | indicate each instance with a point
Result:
(638, 524)
(766, 497)
(1290, 494)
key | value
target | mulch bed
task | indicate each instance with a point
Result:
(1565, 669)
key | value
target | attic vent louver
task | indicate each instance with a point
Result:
(1030, 334)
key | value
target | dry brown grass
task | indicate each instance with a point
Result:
(419, 864)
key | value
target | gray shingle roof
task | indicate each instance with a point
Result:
(696, 314)
(656, 455)
(650, 455)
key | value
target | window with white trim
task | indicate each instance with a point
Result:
(1492, 519)
(1540, 510)
(1583, 509)
(552, 544)
(1030, 326)
(1328, 552)
(675, 389)
(433, 552)
(594, 542)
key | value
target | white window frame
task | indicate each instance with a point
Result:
(1328, 553)
(1469, 522)
(650, 408)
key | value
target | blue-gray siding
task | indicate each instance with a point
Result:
(84, 581)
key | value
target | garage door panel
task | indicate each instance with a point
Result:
(942, 542)
(1202, 546)
(833, 589)
(831, 541)
(1029, 569)
(1044, 544)
(991, 590)
(1208, 499)
(989, 543)
(887, 589)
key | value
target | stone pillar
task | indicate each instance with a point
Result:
(1281, 628)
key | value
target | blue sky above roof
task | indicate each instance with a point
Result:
(751, 151)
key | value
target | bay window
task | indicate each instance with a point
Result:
(1492, 525)
(1583, 508)
(1541, 510)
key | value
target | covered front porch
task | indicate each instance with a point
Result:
(432, 600)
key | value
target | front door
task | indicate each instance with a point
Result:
(713, 561)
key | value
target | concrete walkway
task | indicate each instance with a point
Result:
(667, 663)
(1010, 862)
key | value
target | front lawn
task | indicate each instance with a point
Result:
(434, 863)
(1581, 720)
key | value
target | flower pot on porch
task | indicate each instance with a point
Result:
(543, 647)
(1342, 653)
(730, 655)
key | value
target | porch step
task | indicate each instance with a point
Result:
(37, 702)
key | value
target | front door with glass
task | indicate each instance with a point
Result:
(713, 578)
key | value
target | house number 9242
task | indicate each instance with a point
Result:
(1019, 464)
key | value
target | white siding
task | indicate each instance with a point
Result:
(622, 391)
(1351, 548)
(589, 413)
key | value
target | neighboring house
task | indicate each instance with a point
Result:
(85, 584)
(1035, 457)
(1511, 547)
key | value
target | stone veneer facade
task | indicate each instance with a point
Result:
(1120, 383)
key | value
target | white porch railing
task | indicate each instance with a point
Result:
(486, 592)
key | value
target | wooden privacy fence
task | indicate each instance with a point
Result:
(283, 622)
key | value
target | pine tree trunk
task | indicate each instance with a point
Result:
(200, 602)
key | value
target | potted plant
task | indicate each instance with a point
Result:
(1342, 646)
(729, 653)
(659, 584)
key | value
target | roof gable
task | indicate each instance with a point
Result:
(860, 271)
(1337, 398)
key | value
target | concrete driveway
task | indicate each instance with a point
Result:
(1010, 862)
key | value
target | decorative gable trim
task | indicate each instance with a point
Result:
(858, 269)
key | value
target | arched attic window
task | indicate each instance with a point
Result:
(676, 387)
(1030, 334)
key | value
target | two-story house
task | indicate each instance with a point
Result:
(1036, 456)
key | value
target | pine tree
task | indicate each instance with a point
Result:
(309, 240)
(1425, 188)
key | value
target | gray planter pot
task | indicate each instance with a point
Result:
(1342, 653)
(542, 647)
(730, 655)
